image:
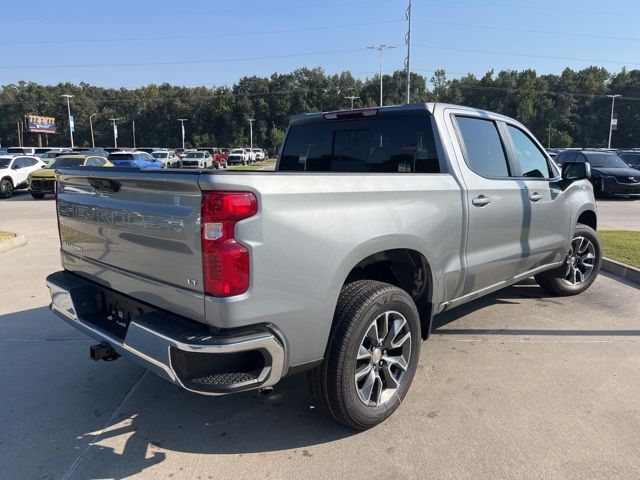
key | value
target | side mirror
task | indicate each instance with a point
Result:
(572, 171)
(16, 167)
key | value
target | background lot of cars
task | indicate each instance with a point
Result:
(34, 168)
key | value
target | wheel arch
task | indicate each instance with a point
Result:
(398, 261)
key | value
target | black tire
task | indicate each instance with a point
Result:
(6, 188)
(554, 281)
(37, 195)
(332, 384)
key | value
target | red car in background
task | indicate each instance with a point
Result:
(219, 157)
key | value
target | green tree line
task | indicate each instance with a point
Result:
(570, 109)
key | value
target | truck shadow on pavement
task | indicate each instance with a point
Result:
(159, 418)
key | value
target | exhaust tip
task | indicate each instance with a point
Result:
(103, 351)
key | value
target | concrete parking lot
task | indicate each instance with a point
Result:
(515, 385)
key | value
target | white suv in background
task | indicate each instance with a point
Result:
(14, 171)
(196, 159)
(259, 154)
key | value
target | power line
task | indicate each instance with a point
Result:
(528, 55)
(180, 62)
(191, 37)
(150, 13)
(526, 30)
(529, 6)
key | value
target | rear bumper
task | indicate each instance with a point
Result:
(173, 348)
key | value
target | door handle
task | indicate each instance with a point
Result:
(535, 197)
(481, 201)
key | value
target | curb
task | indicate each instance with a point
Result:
(621, 269)
(12, 243)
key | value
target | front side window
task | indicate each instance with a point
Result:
(532, 162)
(402, 144)
(484, 150)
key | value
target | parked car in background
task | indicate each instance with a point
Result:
(196, 159)
(53, 153)
(42, 182)
(219, 158)
(251, 155)
(15, 170)
(610, 175)
(258, 154)
(168, 158)
(134, 160)
(238, 156)
(21, 150)
(630, 157)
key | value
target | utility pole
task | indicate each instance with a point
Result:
(549, 141)
(182, 120)
(613, 102)
(251, 120)
(115, 132)
(407, 61)
(352, 98)
(71, 124)
(133, 125)
(381, 48)
(93, 142)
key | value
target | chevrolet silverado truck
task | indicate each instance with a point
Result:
(374, 221)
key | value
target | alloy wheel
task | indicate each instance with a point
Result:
(383, 358)
(580, 261)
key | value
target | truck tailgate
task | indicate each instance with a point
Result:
(136, 232)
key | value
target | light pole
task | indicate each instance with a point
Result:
(93, 142)
(549, 139)
(71, 125)
(182, 120)
(613, 102)
(352, 98)
(381, 48)
(133, 126)
(115, 132)
(408, 59)
(251, 120)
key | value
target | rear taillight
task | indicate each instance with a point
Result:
(225, 262)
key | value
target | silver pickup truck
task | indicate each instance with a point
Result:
(374, 221)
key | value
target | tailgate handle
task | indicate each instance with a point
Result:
(105, 184)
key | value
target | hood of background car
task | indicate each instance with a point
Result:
(43, 173)
(616, 171)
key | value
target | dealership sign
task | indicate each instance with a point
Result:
(39, 124)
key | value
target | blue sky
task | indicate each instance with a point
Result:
(221, 41)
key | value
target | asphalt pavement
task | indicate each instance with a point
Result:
(515, 385)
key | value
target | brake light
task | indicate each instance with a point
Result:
(225, 262)
(350, 114)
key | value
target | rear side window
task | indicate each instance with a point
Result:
(402, 144)
(532, 162)
(484, 150)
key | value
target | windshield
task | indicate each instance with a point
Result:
(631, 158)
(160, 154)
(606, 160)
(4, 162)
(237, 151)
(120, 156)
(194, 155)
(62, 162)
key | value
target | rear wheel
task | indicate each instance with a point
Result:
(580, 268)
(371, 357)
(6, 188)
